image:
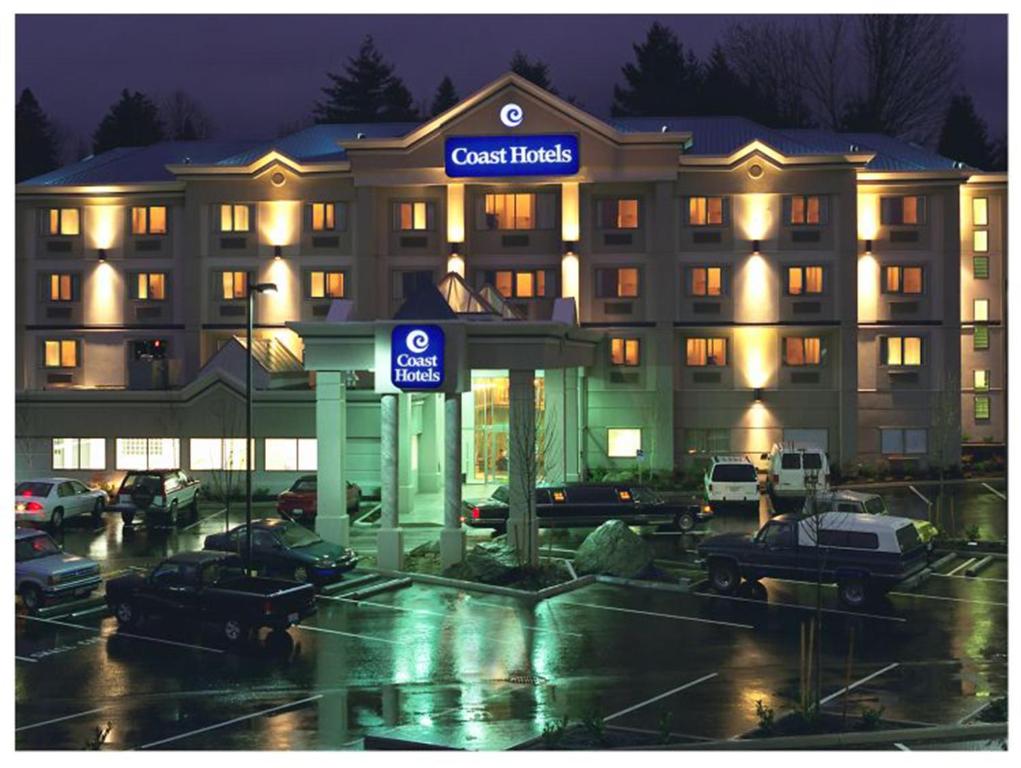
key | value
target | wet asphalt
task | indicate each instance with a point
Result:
(481, 671)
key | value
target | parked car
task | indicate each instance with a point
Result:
(731, 482)
(588, 505)
(286, 549)
(45, 574)
(162, 495)
(299, 501)
(866, 503)
(209, 588)
(864, 555)
(51, 500)
(788, 463)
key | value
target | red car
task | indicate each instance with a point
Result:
(299, 501)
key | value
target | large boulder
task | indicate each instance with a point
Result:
(492, 562)
(613, 549)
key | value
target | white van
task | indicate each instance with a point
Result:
(786, 468)
(731, 481)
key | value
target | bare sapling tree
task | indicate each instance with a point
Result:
(945, 450)
(535, 441)
(229, 418)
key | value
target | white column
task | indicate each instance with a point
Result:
(407, 482)
(522, 528)
(389, 545)
(332, 522)
(452, 535)
(572, 450)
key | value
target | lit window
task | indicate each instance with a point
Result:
(61, 287)
(521, 284)
(715, 440)
(617, 283)
(980, 241)
(149, 220)
(982, 403)
(980, 268)
(413, 216)
(897, 441)
(524, 285)
(802, 350)
(909, 210)
(903, 350)
(510, 211)
(148, 453)
(64, 222)
(802, 280)
(505, 283)
(234, 285)
(60, 353)
(324, 217)
(981, 310)
(980, 212)
(981, 337)
(289, 454)
(218, 453)
(151, 286)
(706, 281)
(618, 214)
(234, 218)
(903, 280)
(623, 443)
(79, 453)
(706, 352)
(805, 209)
(627, 282)
(705, 211)
(624, 352)
(981, 380)
(326, 285)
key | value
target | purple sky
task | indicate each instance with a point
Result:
(256, 73)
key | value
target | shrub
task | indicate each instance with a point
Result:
(553, 732)
(594, 727)
(972, 533)
(871, 718)
(766, 717)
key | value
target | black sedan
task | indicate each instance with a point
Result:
(286, 549)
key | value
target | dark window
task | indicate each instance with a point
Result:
(790, 461)
(811, 461)
(591, 495)
(908, 538)
(734, 473)
(848, 539)
(778, 535)
(33, 489)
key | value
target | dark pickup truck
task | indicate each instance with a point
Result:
(209, 588)
(864, 555)
(589, 505)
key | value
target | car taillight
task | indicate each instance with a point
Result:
(706, 509)
(475, 513)
(34, 506)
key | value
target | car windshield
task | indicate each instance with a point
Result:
(304, 485)
(33, 489)
(298, 536)
(875, 506)
(35, 547)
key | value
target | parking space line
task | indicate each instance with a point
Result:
(25, 658)
(203, 519)
(961, 567)
(60, 719)
(108, 635)
(856, 683)
(901, 747)
(972, 714)
(993, 490)
(674, 616)
(949, 599)
(86, 612)
(969, 578)
(802, 607)
(345, 634)
(671, 692)
(231, 722)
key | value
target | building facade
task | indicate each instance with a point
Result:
(733, 286)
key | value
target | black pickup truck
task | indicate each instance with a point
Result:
(209, 588)
(864, 555)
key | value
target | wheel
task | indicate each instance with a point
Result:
(97, 512)
(193, 511)
(853, 592)
(724, 577)
(31, 597)
(128, 517)
(684, 521)
(300, 574)
(173, 515)
(234, 631)
(126, 613)
(57, 520)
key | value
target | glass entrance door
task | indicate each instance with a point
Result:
(491, 424)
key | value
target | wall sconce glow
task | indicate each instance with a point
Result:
(278, 251)
(756, 247)
(278, 221)
(455, 213)
(569, 271)
(103, 303)
(868, 216)
(755, 358)
(102, 254)
(455, 264)
(570, 211)
(281, 304)
(756, 217)
(868, 289)
(756, 292)
(101, 225)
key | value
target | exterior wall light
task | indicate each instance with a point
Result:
(755, 247)
(570, 246)
(757, 395)
(868, 247)
(455, 248)
(102, 254)
(278, 251)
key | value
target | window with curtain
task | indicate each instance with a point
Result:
(625, 352)
(413, 216)
(64, 222)
(804, 280)
(325, 285)
(703, 352)
(898, 279)
(902, 210)
(507, 211)
(234, 285)
(60, 353)
(903, 351)
(802, 350)
(150, 286)
(61, 286)
(617, 283)
(324, 217)
(617, 213)
(149, 220)
(234, 217)
(805, 209)
(705, 211)
(706, 281)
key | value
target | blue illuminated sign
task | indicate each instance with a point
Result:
(554, 154)
(416, 357)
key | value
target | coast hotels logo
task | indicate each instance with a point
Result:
(416, 356)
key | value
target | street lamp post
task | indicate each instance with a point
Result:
(249, 453)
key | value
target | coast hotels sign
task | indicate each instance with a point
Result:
(416, 357)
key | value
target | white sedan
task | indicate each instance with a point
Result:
(49, 500)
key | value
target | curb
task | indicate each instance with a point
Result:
(493, 589)
(684, 586)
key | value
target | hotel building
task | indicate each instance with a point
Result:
(656, 289)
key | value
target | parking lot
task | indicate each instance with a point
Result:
(481, 671)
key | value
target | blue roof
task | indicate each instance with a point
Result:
(320, 143)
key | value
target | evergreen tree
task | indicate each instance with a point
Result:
(35, 146)
(446, 96)
(367, 92)
(964, 136)
(661, 81)
(722, 91)
(134, 121)
(536, 71)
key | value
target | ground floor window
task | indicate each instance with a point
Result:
(218, 453)
(903, 441)
(291, 454)
(79, 453)
(707, 440)
(623, 443)
(148, 453)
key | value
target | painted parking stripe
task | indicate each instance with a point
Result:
(119, 633)
(673, 616)
(856, 683)
(345, 634)
(972, 714)
(203, 519)
(25, 658)
(948, 599)
(961, 567)
(60, 719)
(993, 490)
(969, 578)
(901, 747)
(671, 692)
(224, 724)
(802, 607)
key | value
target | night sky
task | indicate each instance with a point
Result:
(256, 73)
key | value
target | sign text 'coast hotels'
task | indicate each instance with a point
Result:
(416, 357)
(554, 154)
